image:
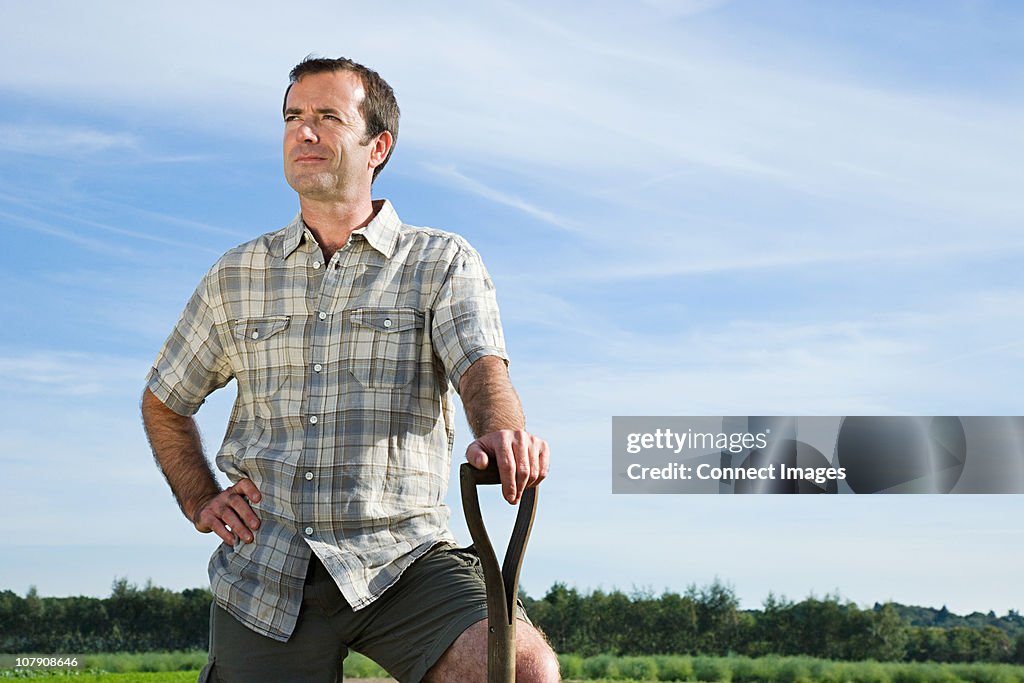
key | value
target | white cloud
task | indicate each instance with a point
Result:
(72, 428)
(69, 373)
(960, 356)
(55, 214)
(45, 228)
(607, 99)
(450, 175)
(685, 8)
(61, 141)
(637, 260)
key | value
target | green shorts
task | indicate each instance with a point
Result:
(406, 630)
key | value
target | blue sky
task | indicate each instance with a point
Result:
(689, 207)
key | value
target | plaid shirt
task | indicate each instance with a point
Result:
(344, 418)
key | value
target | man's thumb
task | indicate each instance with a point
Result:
(476, 456)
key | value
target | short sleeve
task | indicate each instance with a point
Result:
(466, 325)
(192, 363)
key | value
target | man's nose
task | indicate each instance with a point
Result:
(307, 133)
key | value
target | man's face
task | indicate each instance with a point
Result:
(324, 158)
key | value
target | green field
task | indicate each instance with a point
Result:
(159, 667)
(182, 667)
(134, 677)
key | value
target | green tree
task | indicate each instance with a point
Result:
(888, 635)
(717, 617)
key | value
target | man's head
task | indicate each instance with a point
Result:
(363, 106)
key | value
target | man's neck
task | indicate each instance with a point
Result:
(333, 222)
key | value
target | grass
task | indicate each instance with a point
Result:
(179, 667)
(776, 669)
(105, 677)
(161, 667)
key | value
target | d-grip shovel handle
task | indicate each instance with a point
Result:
(502, 582)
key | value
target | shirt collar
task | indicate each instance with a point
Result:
(292, 236)
(381, 232)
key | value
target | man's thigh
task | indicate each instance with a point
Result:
(437, 598)
(406, 630)
(313, 654)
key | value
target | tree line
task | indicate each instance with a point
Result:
(132, 619)
(708, 621)
(700, 621)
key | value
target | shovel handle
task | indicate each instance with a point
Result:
(502, 582)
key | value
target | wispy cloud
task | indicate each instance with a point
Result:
(171, 219)
(462, 182)
(34, 200)
(628, 265)
(65, 218)
(685, 8)
(61, 141)
(564, 111)
(67, 373)
(47, 229)
(958, 355)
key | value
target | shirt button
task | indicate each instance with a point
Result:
(309, 531)
(309, 476)
(255, 334)
(316, 264)
(387, 322)
(317, 367)
(322, 315)
(313, 419)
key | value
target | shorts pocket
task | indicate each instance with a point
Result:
(467, 556)
(381, 345)
(208, 675)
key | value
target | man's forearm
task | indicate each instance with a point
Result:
(178, 450)
(490, 400)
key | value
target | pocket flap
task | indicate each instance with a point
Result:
(258, 329)
(387, 319)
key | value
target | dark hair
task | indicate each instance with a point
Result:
(379, 108)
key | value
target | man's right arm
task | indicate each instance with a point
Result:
(178, 450)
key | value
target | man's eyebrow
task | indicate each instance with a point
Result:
(322, 110)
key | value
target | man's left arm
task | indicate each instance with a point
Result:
(496, 417)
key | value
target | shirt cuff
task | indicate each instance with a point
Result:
(165, 392)
(473, 356)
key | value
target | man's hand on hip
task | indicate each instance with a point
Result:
(178, 450)
(228, 513)
(522, 459)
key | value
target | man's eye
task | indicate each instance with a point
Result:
(331, 117)
(291, 117)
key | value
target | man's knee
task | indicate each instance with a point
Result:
(466, 659)
(536, 662)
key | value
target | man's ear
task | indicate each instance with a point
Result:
(382, 144)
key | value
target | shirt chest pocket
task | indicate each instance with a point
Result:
(266, 354)
(382, 345)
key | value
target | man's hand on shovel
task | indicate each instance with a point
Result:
(521, 457)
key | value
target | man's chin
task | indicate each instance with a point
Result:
(315, 186)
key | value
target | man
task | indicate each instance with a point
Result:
(347, 333)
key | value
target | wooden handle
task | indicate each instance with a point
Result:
(502, 582)
(490, 475)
